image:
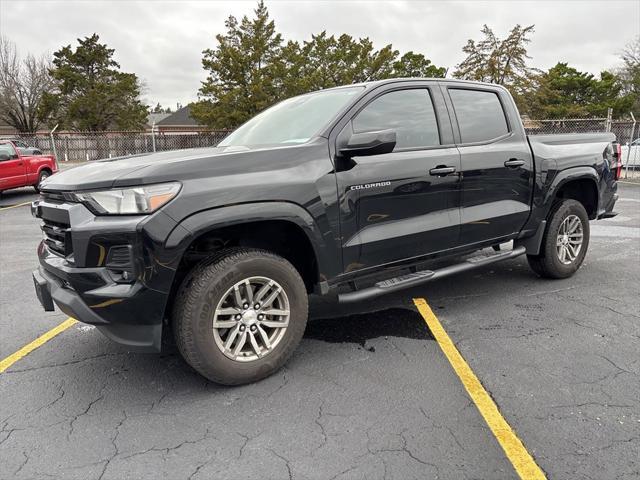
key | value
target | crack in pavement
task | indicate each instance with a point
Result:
(63, 364)
(285, 460)
(114, 445)
(591, 305)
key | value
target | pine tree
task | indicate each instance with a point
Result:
(244, 72)
(565, 92)
(91, 92)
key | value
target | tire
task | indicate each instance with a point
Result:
(43, 174)
(207, 293)
(551, 262)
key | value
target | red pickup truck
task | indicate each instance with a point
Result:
(21, 170)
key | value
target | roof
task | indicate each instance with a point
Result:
(180, 117)
(376, 83)
(154, 118)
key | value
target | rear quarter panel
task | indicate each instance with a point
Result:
(35, 164)
(563, 158)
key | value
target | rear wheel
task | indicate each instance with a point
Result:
(240, 315)
(565, 241)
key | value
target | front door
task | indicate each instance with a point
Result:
(496, 165)
(400, 205)
(13, 171)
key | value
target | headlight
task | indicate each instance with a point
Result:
(129, 201)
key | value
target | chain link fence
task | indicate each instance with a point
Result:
(88, 146)
(626, 132)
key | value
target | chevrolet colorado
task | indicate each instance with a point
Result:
(354, 191)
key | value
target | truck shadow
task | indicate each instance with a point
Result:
(356, 328)
(394, 322)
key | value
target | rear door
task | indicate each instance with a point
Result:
(392, 207)
(13, 171)
(496, 163)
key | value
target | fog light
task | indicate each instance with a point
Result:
(120, 263)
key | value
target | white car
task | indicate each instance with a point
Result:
(631, 154)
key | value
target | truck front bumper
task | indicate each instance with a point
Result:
(52, 289)
(81, 271)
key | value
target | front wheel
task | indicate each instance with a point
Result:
(565, 241)
(240, 315)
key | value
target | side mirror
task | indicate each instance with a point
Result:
(369, 143)
(4, 156)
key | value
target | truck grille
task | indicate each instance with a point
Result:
(56, 236)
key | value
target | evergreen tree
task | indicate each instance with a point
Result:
(417, 65)
(91, 92)
(565, 92)
(253, 68)
(244, 72)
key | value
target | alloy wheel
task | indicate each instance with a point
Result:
(251, 319)
(569, 239)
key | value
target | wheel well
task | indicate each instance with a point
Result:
(44, 169)
(584, 191)
(281, 237)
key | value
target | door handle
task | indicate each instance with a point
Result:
(514, 162)
(442, 170)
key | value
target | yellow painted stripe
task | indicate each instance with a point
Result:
(516, 452)
(628, 183)
(41, 340)
(16, 206)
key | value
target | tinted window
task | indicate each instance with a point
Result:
(480, 115)
(409, 112)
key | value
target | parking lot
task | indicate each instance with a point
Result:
(369, 393)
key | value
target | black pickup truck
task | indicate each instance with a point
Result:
(354, 192)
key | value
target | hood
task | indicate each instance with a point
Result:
(176, 165)
(96, 174)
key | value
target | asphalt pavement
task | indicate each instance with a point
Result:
(368, 394)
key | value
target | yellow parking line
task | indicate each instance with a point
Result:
(16, 206)
(41, 340)
(516, 452)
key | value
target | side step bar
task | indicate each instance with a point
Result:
(418, 278)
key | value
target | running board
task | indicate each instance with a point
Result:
(418, 278)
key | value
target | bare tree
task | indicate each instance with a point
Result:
(496, 60)
(629, 72)
(501, 60)
(631, 53)
(22, 85)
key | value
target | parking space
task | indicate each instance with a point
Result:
(368, 394)
(17, 197)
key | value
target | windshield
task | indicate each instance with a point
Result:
(291, 121)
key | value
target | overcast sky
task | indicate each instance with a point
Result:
(162, 41)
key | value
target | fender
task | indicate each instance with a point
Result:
(532, 233)
(205, 221)
(565, 176)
